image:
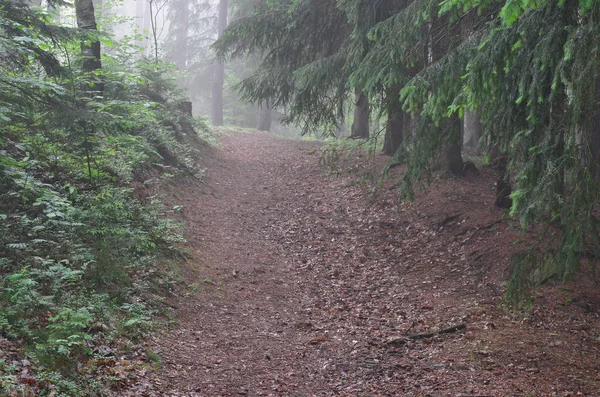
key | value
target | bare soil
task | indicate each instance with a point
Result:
(305, 283)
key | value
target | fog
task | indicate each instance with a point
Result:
(181, 32)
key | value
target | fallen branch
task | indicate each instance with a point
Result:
(402, 340)
(442, 331)
(488, 226)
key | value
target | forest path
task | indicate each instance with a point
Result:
(245, 329)
(298, 282)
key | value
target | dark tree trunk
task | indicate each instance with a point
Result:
(90, 51)
(187, 129)
(219, 75)
(396, 122)
(503, 188)
(263, 122)
(473, 131)
(595, 137)
(360, 125)
(450, 154)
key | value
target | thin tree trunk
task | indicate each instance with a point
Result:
(154, 29)
(396, 122)
(219, 71)
(360, 125)
(90, 51)
(263, 122)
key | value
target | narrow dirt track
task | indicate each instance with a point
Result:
(242, 331)
(298, 283)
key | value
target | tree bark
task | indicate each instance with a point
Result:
(86, 20)
(450, 154)
(263, 123)
(360, 125)
(396, 122)
(340, 128)
(473, 131)
(451, 151)
(595, 137)
(219, 71)
(503, 188)
(181, 37)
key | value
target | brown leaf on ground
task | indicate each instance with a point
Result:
(293, 254)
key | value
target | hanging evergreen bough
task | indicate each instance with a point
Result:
(301, 71)
(534, 82)
(529, 68)
(532, 72)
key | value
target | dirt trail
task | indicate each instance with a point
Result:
(299, 282)
(242, 331)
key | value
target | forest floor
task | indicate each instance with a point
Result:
(302, 282)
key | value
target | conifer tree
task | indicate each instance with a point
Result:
(219, 74)
(178, 37)
(90, 49)
(529, 70)
(300, 70)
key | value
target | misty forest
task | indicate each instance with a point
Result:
(299, 198)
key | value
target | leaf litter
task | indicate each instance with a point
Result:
(322, 287)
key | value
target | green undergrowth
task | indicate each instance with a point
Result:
(86, 248)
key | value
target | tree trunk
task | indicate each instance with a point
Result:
(181, 55)
(219, 75)
(340, 128)
(90, 51)
(396, 122)
(450, 154)
(147, 27)
(263, 123)
(472, 126)
(360, 125)
(473, 131)
(503, 188)
(451, 151)
(595, 137)
(140, 19)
